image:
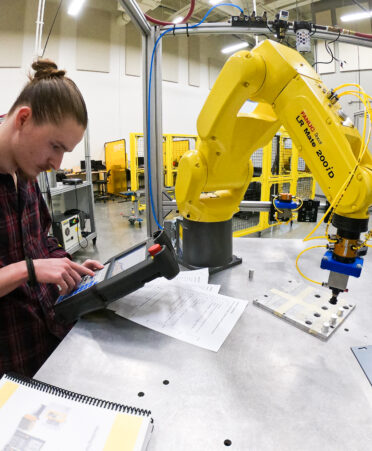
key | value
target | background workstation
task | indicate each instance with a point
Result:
(268, 377)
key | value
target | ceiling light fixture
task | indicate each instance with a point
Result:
(233, 48)
(178, 20)
(75, 7)
(356, 16)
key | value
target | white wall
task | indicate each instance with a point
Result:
(114, 99)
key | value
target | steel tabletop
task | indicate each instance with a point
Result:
(270, 387)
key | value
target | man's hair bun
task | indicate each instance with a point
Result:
(46, 69)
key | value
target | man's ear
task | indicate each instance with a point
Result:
(23, 115)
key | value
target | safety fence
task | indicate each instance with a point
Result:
(277, 168)
(174, 146)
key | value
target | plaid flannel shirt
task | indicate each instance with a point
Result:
(28, 330)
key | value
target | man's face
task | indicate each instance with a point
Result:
(41, 147)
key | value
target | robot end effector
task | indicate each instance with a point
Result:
(344, 255)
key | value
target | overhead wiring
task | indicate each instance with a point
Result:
(188, 27)
(329, 51)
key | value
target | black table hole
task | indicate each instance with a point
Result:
(317, 295)
(290, 281)
(332, 327)
(266, 296)
(346, 330)
(165, 382)
(140, 394)
(227, 442)
(308, 322)
(324, 307)
(345, 307)
(317, 314)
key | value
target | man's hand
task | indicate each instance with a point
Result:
(63, 272)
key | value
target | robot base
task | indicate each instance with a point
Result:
(213, 269)
(205, 245)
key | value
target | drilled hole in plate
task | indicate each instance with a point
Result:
(140, 394)
(308, 322)
(317, 314)
(346, 330)
(317, 295)
(332, 327)
(165, 382)
(227, 442)
(266, 296)
(324, 307)
(351, 305)
(345, 307)
(290, 281)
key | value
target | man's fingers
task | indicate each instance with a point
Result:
(80, 269)
(75, 275)
(70, 282)
(93, 264)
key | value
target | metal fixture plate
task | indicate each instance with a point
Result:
(306, 308)
(364, 356)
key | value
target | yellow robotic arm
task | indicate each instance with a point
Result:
(212, 180)
(290, 93)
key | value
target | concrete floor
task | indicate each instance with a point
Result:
(115, 233)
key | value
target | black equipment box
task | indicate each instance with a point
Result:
(308, 211)
(121, 275)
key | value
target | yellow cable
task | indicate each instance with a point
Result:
(273, 202)
(301, 203)
(343, 189)
(298, 269)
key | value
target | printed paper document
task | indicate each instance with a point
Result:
(188, 313)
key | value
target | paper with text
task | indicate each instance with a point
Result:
(210, 287)
(200, 276)
(189, 314)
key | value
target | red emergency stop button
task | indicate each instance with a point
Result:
(155, 249)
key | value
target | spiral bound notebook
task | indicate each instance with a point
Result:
(38, 416)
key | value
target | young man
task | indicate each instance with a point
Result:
(48, 119)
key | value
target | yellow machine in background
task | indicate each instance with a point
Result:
(116, 163)
(212, 180)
